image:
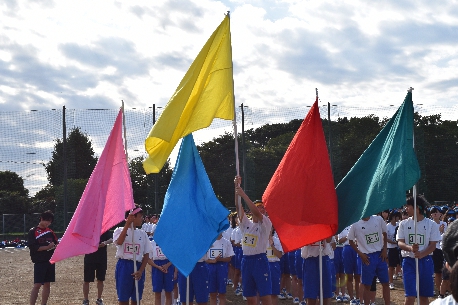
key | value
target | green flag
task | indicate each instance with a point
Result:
(385, 171)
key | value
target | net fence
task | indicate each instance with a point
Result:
(29, 141)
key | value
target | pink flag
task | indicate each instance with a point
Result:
(108, 194)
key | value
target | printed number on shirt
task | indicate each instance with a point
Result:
(372, 238)
(270, 253)
(250, 240)
(159, 252)
(214, 253)
(131, 248)
(420, 239)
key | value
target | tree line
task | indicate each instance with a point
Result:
(436, 143)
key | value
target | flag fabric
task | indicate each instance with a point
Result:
(192, 216)
(300, 199)
(385, 171)
(108, 194)
(205, 92)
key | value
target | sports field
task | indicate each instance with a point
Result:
(16, 274)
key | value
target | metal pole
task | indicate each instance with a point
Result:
(243, 147)
(64, 147)
(155, 175)
(329, 134)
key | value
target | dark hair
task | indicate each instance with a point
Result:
(394, 214)
(422, 203)
(47, 216)
(136, 207)
(234, 220)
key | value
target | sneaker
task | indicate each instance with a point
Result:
(377, 280)
(346, 298)
(99, 302)
(339, 299)
(282, 296)
(395, 277)
(296, 301)
(85, 302)
(244, 298)
(303, 303)
(399, 274)
(391, 286)
(229, 282)
(354, 302)
(238, 291)
(289, 296)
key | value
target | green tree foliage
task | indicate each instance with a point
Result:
(436, 145)
(13, 196)
(81, 158)
(44, 200)
(12, 182)
(143, 185)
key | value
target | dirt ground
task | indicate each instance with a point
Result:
(16, 275)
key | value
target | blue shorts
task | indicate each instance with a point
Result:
(338, 260)
(299, 264)
(425, 270)
(311, 278)
(292, 262)
(233, 256)
(275, 277)
(198, 284)
(256, 275)
(238, 253)
(125, 283)
(217, 277)
(333, 274)
(160, 280)
(377, 267)
(351, 261)
(284, 264)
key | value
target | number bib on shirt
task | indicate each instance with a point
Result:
(214, 253)
(250, 240)
(131, 248)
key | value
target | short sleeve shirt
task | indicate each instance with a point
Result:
(368, 234)
(255, 235)
(427, 230)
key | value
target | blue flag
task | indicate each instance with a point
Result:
(192, 216)
(385, 171)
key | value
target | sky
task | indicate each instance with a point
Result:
(93, 54)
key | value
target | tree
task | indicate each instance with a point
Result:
(80, 158)
(13, 183)
(143, 185)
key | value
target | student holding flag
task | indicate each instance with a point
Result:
(126, 246)
(255, 266)
(427, 235)
(162, 274)
(218, 257)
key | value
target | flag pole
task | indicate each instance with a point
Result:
(234, 126)
(414, 193)
(132, 225)
(321, 251)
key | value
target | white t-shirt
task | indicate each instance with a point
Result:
(152, 227)
(427, 230)
(221, 247)
(445, 301)
(146, 227)
(343, 234)
(255, 235)
(313, 250)
(439, 243)
(156, 254)
(368, 234)
(236, 235)
(270, 252)
(141, 244)
(390, 234)
(330, 250)
(227, 234)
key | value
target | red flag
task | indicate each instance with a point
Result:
(301, 199)
(108, 194)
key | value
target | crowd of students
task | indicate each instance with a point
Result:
(248, 257)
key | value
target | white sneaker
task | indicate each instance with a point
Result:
(391, 286)
(346, 298)
(296, 301)
(244, 298)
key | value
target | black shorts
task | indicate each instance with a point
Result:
(95, 270)
(445, 274)
(438, 260)
(44, 272)
(393, 257)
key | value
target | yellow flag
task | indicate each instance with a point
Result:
(205, 92)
